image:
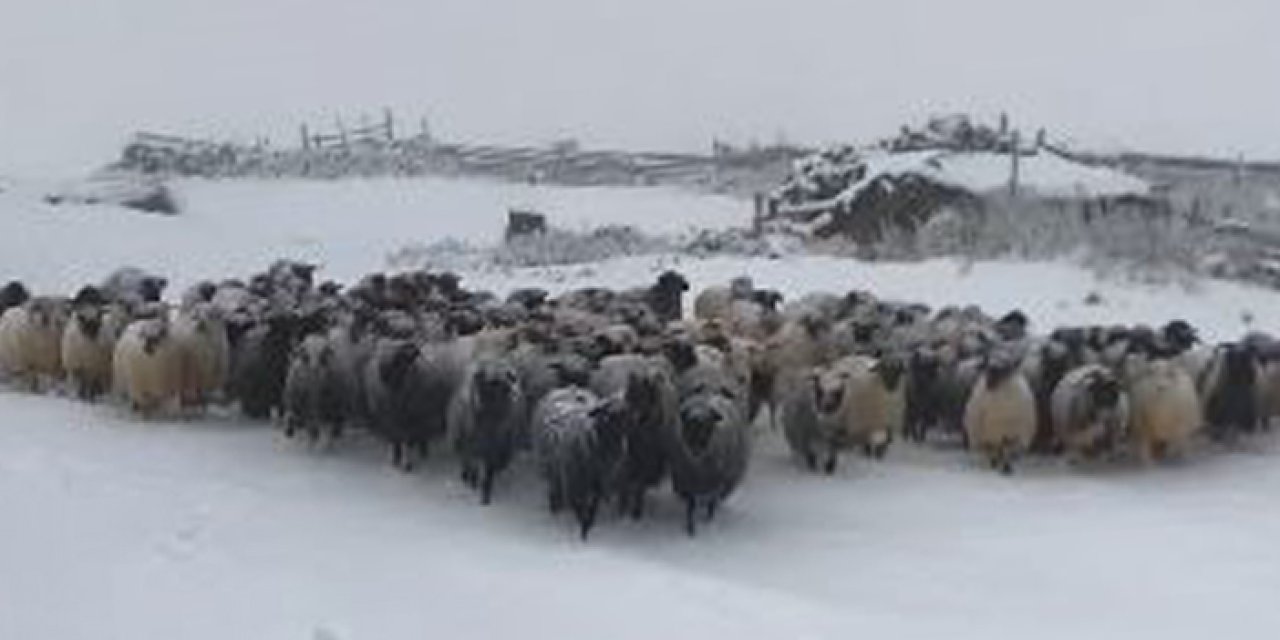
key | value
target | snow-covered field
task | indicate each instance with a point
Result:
(114, 528)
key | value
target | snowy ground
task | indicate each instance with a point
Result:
(216, 528)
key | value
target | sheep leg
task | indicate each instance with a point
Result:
(486, 484)
(690, 509)
(637, 504)
(830, 465)
(587, 517)
(555, 498)
(469, 475)
(811, 460)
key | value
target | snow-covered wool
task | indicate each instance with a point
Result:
(316, 391)
(1000, 418)
(204, 353)
(88, 346)
(146, 366)
(1165, 407)
(708, 453)
(31, 341)
(132, 286)
(578, 439)
(649, 399)
(1230, 393)
(197, 294)
(1091, 412)
(487, 416)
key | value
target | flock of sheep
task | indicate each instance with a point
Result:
(615, 393)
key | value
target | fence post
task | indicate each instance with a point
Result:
(390, 124)
(1013, 169)
(306, 139)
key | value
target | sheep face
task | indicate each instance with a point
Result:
(1180, 335)
(997, 369)
(672, 283)
(829, 388)
(89, 321)
(151, 288)
(395, 369)
(699, 422)
(891, 370)
(496, 387)
(14, 294)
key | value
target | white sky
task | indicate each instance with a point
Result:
(76, 76)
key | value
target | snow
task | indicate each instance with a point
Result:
(1045, 173)
(217, 528)
(214, 529)
(349, 227)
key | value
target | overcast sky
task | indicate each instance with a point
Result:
(76, 76)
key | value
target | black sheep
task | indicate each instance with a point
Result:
(1230, 392)
(488, 414)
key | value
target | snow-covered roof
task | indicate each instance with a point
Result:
(1044, 174)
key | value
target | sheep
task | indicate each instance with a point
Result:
(260, 363)
(876, 407)
(131, 285)
(1165, 409)
(1000, 417)
(204, 353)
(487, 414)
(146, 365)
(708, 450)
(579, 443)
(316, 391)
(88, 345)
(1044, 367)
(664, 297)
(14, 294)
(715, 303)
(1090, 412)
(925, 399)
(401, 405)
(199, 293)
(1230, 392)
(811, 416)
(801, 344)
(649, 398)
(31, 341)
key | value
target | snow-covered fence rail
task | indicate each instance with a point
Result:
(373, 150)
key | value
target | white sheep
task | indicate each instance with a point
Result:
(1166, 410)
(88, 344)
(714, 303)
(200, 336)
(31, 342)
(146, 365)
(1000, 417)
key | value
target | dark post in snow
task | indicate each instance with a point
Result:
(306, 139)
(390, 124)
(1013, 170)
